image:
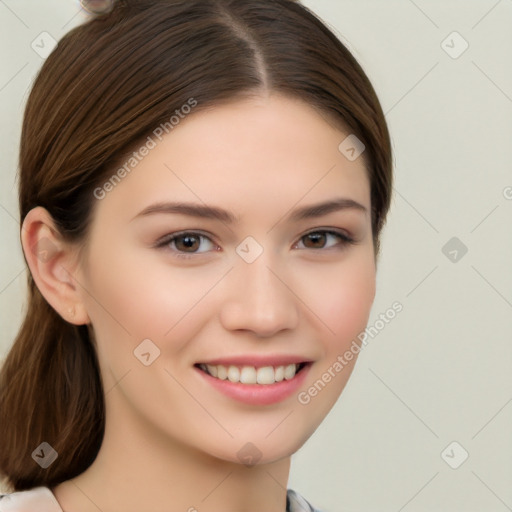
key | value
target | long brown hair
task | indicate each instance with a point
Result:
(107, 85)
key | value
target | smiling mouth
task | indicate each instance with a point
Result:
(264, 375)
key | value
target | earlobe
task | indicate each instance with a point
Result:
(52, 263)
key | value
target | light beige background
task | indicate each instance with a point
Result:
(439, 372)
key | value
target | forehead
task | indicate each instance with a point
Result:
(247, 154)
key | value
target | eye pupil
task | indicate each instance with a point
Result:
(188, 241)
(316, 237)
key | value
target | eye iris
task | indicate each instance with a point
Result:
(188, 241)
(315, 237)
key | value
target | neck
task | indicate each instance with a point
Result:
(137, 469)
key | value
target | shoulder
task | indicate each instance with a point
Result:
(38, 499)
(296, 503)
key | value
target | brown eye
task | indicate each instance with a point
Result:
(319, 239)
(187, 243)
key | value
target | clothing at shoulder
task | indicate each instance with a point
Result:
(41, 499)
(38, 499)
(296, 503)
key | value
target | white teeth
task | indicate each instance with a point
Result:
(279, 373)
(289, 371)
(266, 375)
(251, 375)
(233, 374)
(248, 375)
(212, 370)
(222, 372)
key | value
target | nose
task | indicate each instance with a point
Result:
(259, 299)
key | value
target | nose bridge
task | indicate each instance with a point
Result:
(259, 300)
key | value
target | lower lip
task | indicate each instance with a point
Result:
(258, 394)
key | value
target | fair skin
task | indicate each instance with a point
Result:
(172, 439)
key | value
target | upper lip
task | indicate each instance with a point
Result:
(257, 361)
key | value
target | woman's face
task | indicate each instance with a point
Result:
(257, 282)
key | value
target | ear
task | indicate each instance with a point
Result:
(54, 265)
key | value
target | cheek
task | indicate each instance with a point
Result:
(139, 296)
(123, 295)
(342, 299)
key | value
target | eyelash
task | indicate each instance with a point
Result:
(164, 242)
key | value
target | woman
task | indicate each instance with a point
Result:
(203, 184)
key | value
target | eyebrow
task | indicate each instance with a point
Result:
(217, 213)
